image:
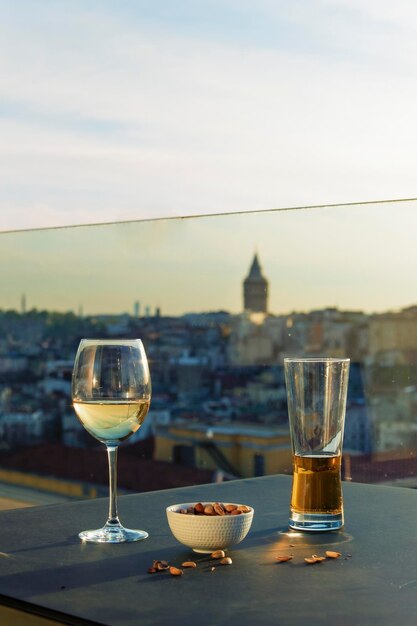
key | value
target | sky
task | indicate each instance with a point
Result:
(127, 110)
(352, 257)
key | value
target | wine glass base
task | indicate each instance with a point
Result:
(117, 534)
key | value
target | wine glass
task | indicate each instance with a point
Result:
(111, 392)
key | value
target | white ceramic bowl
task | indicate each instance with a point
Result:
(206, 533)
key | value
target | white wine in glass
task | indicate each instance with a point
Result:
(111, 392)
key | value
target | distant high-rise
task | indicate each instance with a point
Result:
(136, 309)
(23, 304)
(255, 289)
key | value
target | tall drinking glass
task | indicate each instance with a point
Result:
(316, 393)
(111, 392)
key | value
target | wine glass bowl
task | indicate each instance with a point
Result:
(111, 392)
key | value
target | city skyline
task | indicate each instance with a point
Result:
(123, 110)
(352, 258)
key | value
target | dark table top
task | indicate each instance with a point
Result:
(47, 570)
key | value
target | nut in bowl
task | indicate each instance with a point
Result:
(209, 526)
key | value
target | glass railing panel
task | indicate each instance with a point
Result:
(219, 301)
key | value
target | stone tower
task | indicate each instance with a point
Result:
(255, 289)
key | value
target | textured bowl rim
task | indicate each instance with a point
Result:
(175, 508)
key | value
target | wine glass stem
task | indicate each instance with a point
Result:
(112, 456)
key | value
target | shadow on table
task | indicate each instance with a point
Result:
(102, 566)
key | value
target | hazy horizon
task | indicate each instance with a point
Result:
(353, 258)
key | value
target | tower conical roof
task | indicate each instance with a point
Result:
(255, 272)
